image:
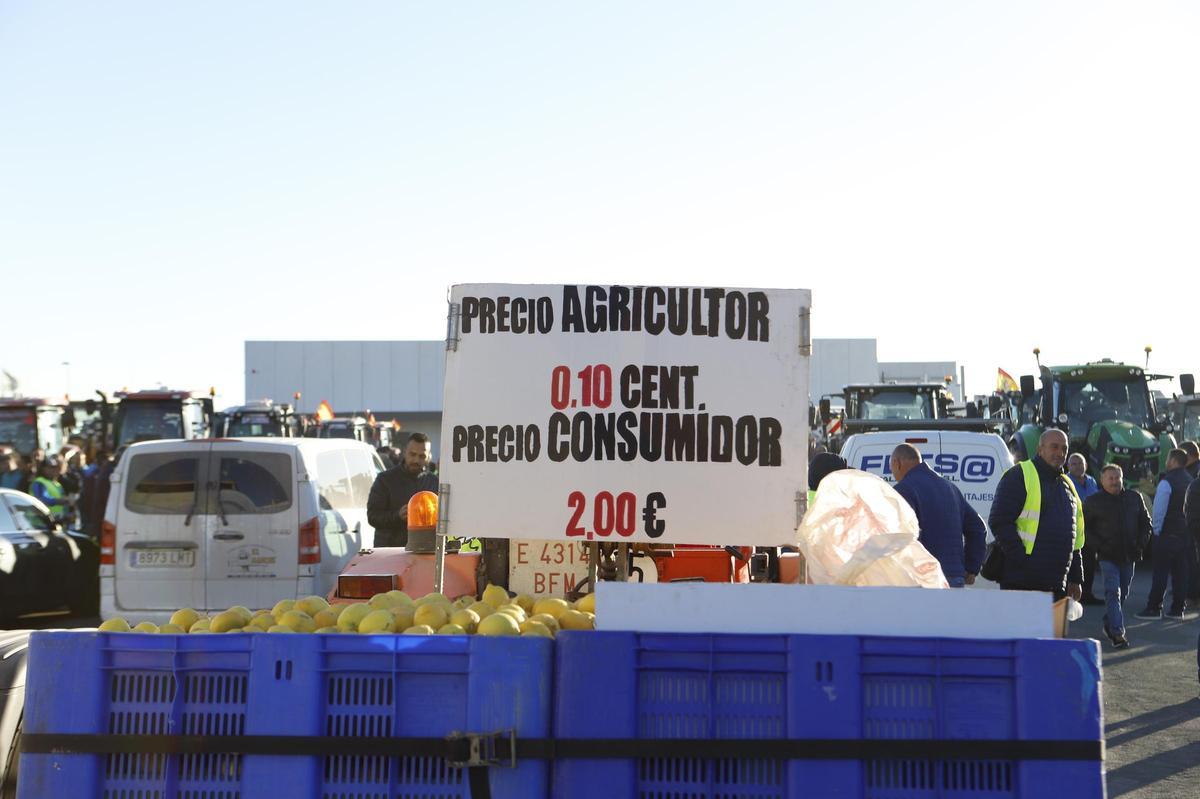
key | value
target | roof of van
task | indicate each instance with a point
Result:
(302, 444)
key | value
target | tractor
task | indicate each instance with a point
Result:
(1107, 413)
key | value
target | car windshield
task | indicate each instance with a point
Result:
(891, 404)
(1191, 423)
(1091, 401)
(148, 421)
(18, 427)
(254, 425)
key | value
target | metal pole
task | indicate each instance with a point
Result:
(439, 561)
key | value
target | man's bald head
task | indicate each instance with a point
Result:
(1052, 448)
(904, 458)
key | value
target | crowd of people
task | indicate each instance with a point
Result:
(74, 490)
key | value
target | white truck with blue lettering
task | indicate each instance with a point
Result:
(972, 461)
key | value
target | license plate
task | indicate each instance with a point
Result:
(163, 558)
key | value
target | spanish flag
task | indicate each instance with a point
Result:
(324, 411)
(1005, 382)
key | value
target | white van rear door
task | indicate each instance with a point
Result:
(252, 543)
(160, 520)
(975, 462)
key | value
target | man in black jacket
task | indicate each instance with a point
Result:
(387, 504)
(1118, 527)
(1048, 559)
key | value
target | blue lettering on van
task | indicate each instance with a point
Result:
(968, 468)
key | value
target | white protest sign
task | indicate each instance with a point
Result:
(626, 413)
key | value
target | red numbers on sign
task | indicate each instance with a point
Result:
(609, 514)
(560, 388)
(595, 384)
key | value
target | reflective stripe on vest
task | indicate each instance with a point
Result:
(53, 491)
(1027, 521)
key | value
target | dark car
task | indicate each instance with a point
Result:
(42, 566)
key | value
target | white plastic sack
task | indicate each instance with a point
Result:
(859, 531)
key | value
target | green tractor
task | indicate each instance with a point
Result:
(1106, 410)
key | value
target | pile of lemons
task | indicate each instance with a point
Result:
(496, 613)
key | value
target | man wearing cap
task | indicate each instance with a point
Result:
(48, 489)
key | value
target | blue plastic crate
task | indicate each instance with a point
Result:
(254, 684)
(630, 685)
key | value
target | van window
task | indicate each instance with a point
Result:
(335, 487)
(162, 482)
(255, 482)
(362, 474)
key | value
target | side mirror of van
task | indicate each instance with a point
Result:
(1026, 386)
(994, 404)
(1187, 383)
(825, 411)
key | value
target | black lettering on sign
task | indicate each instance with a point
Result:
(469, 310)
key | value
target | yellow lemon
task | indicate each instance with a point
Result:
(434, 599)
(325, 618)
(280, 628)
(433, 615)
(525, 601)
(451, 629)
(351, 615)
(513, 610)
(201, 626)
(244, 612)
(405, 616)
(495, 596)
(531, 627)
(259, 624)
(463, 602)
(381, 602)
(227, 621)
(548, 620)
(377, 621)
(398, 597)
(327, 630)
(312, 605)
(115, 625)
(466, 619)
(586, 603)
(499, 624)
(419, 629)
(575, 620)
(171, 629)
(482, 609)
(552, 606)
(145, 627)
(185, 618)
(282, 607)
(298, 621)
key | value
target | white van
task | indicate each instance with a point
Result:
(972, 461)
(212, 523)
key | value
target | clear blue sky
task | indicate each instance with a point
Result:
(962, 180)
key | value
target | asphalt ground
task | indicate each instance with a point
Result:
(1150, 690)
(1151, 700)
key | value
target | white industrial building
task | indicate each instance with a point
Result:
(403, 380)
(839, 362)
(399, 380)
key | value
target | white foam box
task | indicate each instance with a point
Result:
(823, 609)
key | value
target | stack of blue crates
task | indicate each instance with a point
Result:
(645, 686)
(584, 685)
(245, 684)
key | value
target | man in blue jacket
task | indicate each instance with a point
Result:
(950, 528)
(1037, 520)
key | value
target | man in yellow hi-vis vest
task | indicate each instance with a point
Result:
(1037, 520)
